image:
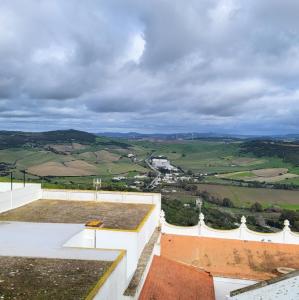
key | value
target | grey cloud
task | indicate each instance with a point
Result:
(206, 65)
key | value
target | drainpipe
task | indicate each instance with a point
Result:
(11, 190)
(95, 238)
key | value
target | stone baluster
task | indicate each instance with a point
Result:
(242, 228)
(201, 219)
(201, 223)
(286, 230)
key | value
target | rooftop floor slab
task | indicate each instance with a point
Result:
(113, 215)
(25, 278)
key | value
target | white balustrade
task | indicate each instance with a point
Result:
(285, 236)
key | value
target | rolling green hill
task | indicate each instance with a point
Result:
(14, 139)
(79, 156)
(288, 151)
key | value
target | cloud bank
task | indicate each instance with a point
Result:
(150, 66)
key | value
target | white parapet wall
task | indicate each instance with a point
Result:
(286, 236)
(19, 195)
(7, 186)
(223, 286)
(284, 287)
(106, 196)
(113, 282)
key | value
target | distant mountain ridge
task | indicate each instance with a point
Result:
(167, 136)
(12, 139)
(193, 135)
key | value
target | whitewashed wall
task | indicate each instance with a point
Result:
(286, 236)
(113, 288)
(223, 286)
(120, 240)
(287, 289)
(18, 197)
(107, 196)
(6, 186)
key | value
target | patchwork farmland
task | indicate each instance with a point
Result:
(245, 197)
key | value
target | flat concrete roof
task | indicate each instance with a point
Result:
(113, 215)
(25, 278)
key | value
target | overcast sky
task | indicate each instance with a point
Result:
(150, 66)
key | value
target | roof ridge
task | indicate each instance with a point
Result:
(199, 269)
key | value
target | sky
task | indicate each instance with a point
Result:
(222, 66)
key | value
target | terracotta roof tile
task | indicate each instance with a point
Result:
(231, 258)
(168, 279)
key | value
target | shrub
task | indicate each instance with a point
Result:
(256, 207)
(227, 202)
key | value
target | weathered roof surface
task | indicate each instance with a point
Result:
(231, 258)
(168, 279)
(25, 278)
(113, 215)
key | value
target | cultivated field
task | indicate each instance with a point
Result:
(245, 197)
(108, 158)
(270, 172)
(65, 148)
(71, 160)
(247, 161)
(269, 175)
(71, 168)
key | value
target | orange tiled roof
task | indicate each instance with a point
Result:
(231, 258)
(168, 279)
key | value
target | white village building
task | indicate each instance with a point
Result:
(161, 162)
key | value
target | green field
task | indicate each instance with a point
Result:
(211, 156)
(245, 197)
(240, 175)
(107, 157)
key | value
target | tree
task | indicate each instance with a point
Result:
(296, 226)
(256, 207)
(152, 174)
(191, 188)
(227, 202)
(189, 172)
(292, 216)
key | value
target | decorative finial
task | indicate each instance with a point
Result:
(201, 217)
(243, 220)
(286, 223)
